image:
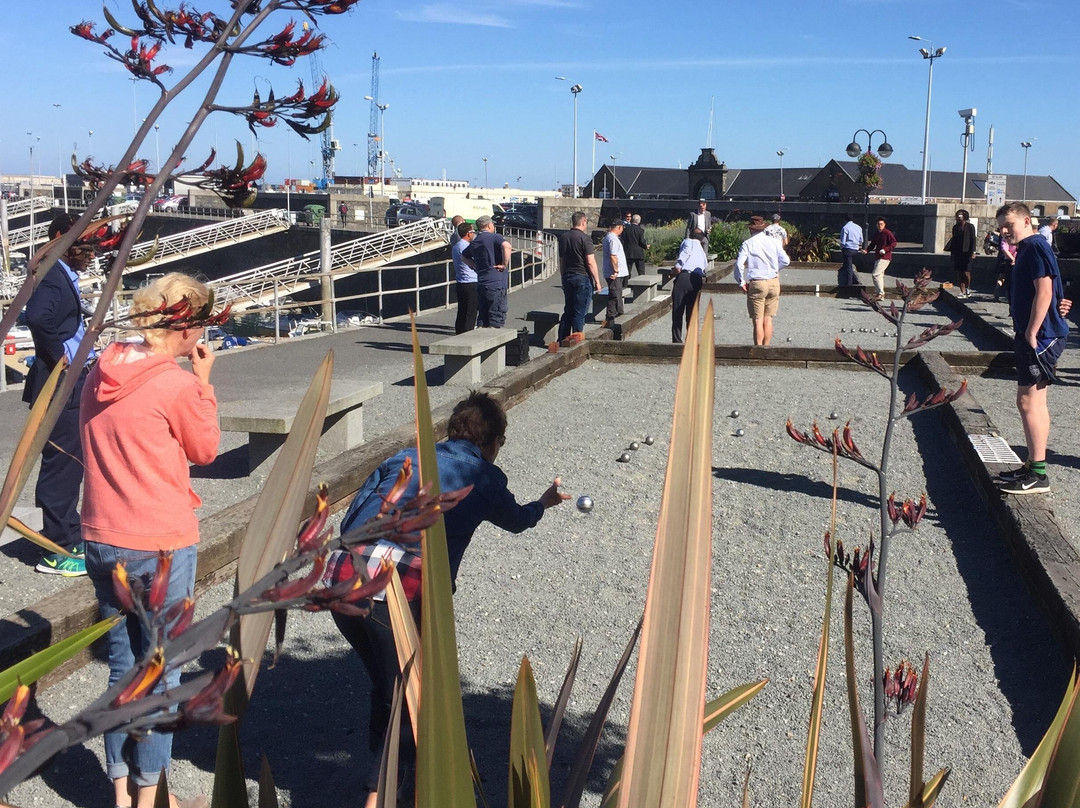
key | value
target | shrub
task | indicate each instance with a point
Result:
(664, 241)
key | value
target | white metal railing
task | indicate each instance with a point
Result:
(257, 287)
(203, 239)
(21, 207)
(537, 261)
(22, 237)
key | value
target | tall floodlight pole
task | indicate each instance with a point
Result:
(1025, 144)
(929, 55)
(382, 141)
(485, 171)
(780, 153)
(575, 90)
(60, 159)
(967, 140)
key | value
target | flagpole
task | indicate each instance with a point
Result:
(593, 180)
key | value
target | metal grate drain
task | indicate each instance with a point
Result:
(993, 449)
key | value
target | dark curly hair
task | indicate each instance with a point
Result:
(479, 419)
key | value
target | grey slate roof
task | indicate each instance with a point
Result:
(764, 183)
(899, 180)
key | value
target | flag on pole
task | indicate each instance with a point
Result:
(599, 137)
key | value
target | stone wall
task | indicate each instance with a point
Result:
(554, 214)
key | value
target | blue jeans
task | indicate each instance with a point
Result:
(577, 294)
(144, 759)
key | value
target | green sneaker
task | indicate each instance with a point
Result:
(56, 564)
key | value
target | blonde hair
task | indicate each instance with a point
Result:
(168, 289)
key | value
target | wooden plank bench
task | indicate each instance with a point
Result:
(545, 323)
(475, 356)
(643, 287)
(267, 420)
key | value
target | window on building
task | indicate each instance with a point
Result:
(1037, 211)
(1063, 210)
(706, 191)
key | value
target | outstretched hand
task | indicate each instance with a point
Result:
(553, 496)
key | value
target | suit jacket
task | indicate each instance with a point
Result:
(633, 240)
(690, 223)
(53, 315)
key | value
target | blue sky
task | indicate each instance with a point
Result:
(468, 81)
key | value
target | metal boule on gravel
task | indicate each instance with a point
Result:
(833, 416)
(739, 433)
(634, 446)
(734, 413)
(789, 339)
(624, 457)
(649, 441)
(585, 504)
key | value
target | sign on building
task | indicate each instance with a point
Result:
(995, 190)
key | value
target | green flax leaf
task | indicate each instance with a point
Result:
(34, 667)
(528, 781)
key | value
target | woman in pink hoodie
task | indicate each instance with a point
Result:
(143, 419)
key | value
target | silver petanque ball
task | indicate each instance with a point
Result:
(649, 440)
(585, 504)
(624, 457)
(789, 339)
(739, 433)
(634, 446)
(833, 416)
(734, 413)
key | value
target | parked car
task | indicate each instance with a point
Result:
(514, 218)
(24, 340)
(312, 214)
(406, 213)
(167, 203)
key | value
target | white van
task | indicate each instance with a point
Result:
(447, 207)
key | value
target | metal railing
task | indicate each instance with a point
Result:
(203, 239)
(25, 235)
(257, 287)
(22, 207)
(537, 255)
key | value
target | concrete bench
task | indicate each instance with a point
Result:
(545, 323)
(475, 356)
(268, 419)
(643, 287)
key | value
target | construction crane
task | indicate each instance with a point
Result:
(328, 144)
(373, 144)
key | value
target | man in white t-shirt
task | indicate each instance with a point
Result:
(616, 271)
(777, 231)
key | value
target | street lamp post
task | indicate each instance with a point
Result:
(1025, 144)
(930, 55)
(576, 90)
(780, 153)
(60, 159)
(485, 171)
(854, 150)
(30, 249)
(614, 179)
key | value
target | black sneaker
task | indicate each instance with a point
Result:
(1030, 483)
(1014, 475)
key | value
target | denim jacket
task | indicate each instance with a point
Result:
(460, 464)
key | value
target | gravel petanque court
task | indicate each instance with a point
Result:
(997, 675)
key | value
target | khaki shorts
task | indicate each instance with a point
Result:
(763, 298)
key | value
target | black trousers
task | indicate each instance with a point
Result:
(467, 302)
(636, 266)
(373, 640)
(615, 306)
(684, 294)
(60, 476)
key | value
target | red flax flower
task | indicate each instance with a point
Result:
(207, 706)
(160, 585)
(901, 685)
(861, 357)
(314, 533)
(330, 6)
(845, 442)
(144, 680)
(938, 399)
(85, 30)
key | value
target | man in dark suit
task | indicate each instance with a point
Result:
(54, 316)
(633, 241)
(699, 219)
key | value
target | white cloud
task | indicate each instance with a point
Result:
(448, 13)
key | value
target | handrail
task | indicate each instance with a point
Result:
(203, 239)
(254, 287)
(23, 236)
(21, 207)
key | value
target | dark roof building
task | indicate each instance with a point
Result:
(708, 178)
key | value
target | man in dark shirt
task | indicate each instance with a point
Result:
(881, 246)
(634, 245)
(1040, 331)
(489, 257)
(54, 315)
(577, 264)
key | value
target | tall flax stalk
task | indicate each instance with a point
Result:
(663, 751)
